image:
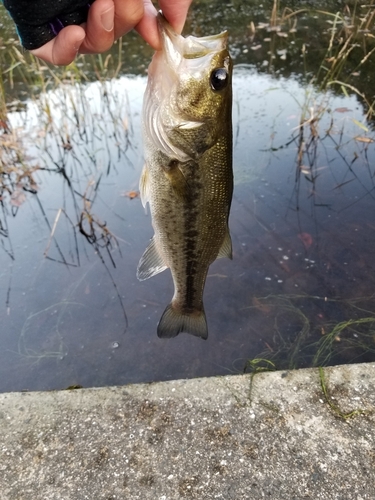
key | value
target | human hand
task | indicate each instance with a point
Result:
(107, 21)
(175, 11)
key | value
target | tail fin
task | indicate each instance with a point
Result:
(174, 322)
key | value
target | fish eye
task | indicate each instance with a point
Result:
(219, 79)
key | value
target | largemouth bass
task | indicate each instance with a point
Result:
(187, 178)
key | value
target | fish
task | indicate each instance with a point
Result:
(187, 178)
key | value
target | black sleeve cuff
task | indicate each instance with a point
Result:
(40, 21)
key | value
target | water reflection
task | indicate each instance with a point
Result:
(301, 227)
(299, 291)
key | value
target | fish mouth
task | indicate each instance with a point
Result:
(182, 63)
(177, 47)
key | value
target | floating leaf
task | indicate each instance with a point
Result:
(306, 239)
(367, 140)
(342, 110)
(131, 194)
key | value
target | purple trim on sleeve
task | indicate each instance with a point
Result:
(56, 26)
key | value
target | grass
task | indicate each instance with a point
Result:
(349, 32)
(280, 17)
(349, 50)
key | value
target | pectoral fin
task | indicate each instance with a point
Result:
(151, 262)
(143, 186)
(189, 125)
(226, 247)
(177, 179)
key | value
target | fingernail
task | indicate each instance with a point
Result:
(107, 19)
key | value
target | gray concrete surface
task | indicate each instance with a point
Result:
(274, 436)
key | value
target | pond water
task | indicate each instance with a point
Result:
(300, 289)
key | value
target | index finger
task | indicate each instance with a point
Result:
(175, 11)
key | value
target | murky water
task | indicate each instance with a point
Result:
(299, 291)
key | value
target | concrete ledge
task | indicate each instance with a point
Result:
(273, 436)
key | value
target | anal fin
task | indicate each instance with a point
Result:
(226, 247)
(151, 262)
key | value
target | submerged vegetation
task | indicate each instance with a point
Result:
(302, 336)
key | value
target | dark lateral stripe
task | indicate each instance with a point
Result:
(191, 211)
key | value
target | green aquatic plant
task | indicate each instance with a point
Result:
(343, 336)
(258, 365)
(290, 331)
(299, 340)
(329, 400)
